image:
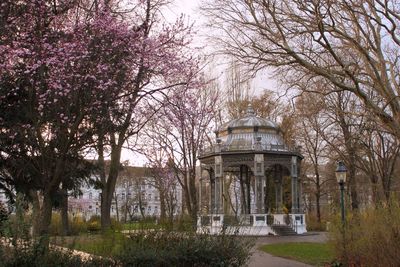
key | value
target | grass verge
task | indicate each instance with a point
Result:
(101, 245)
(317, 254)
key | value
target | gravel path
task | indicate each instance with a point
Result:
(262, 259)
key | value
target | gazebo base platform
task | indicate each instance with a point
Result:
(252, 224)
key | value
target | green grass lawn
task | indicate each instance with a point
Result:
(317, 254)
(100, 244)
(97, 244)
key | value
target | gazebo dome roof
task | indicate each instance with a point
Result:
(250, 120)
(250, 130)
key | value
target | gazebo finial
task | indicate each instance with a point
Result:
(250, 110)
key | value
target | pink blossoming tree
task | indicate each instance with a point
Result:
(69, 80)
(161, 60)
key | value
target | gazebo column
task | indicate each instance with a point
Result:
(278, 196)
(300, 194)
(295, 186)
(218, 185)
(259, 197)
(259, 174)
(295, 198)
(218, 195)
(212, 191)
(278, 188)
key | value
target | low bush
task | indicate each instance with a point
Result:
(33, 256)
(16, 226)
(313, 224)
(55, 225)
(78, 225)
(184, 224)
(183, 249)
(116, 225)
(3, 217)
(369, 238)
(94, 224)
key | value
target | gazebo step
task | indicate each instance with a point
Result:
(283, 230)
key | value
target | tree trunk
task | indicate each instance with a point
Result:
(109, 186)
(44, 221)
(193, 196)
(350, 145)
(186, 191)
(116, 205)
(353, 185)
(126, 207)
(104, 201)
(105, 210)
(162, 206)
(374, 190)
(64, 212)
(141, 207)
(318, 193)
(35, 212)
(318, 206)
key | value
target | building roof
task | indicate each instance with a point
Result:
(250, 132)
(250, 120)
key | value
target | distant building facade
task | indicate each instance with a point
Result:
(136, 196)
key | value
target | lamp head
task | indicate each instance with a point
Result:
(341, 172)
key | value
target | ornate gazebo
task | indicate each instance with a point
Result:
(249, 180)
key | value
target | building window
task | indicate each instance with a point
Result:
(90, 195)
(90, 207)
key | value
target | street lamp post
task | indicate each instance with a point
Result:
(341, 173)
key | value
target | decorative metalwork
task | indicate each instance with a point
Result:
(252, 148)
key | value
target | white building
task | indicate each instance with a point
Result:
(137, 195)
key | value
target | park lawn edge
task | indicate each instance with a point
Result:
(308, 260)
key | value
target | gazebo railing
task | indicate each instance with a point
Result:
(256, 147)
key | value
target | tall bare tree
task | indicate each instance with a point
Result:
(352, 44)
(181, 131)
(308, 131)
(237, 91)
(381, 153)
